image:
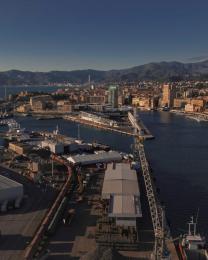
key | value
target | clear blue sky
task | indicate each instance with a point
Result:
(44, 35)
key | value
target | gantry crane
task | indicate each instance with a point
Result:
(157, 213)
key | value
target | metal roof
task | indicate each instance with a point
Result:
(103, 157)
(120, 187)
(120, 171)
(125, 206)
(6, 183)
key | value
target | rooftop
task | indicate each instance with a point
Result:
(120, 171)
(125, 206)
(6, 183)
(120, 187)
(85, 159)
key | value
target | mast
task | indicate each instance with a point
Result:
(78, 132)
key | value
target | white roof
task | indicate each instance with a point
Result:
(125, 206)
(103, 157)
(6, 183)
(120, 187)
(120, 171)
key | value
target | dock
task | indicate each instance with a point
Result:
(120, 130)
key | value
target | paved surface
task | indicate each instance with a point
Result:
(17, 226)
(74, 240)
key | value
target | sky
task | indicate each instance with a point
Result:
(44, 35)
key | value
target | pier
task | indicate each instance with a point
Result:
(121, 130)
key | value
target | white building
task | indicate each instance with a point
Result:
(88, 159)
(189, 108)
(10, 191)
(55, 147)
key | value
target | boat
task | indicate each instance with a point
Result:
(5, 115)
(192, 246)
(48, 117)
(197, 118)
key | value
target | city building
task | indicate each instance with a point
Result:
(189, 108)
(25, 108)
(64, 106)
(180, 102)
(113, 96)
(168, 94)
(96, 99)
(39, 103)
(19, 148)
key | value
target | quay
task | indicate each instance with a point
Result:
(124, 131)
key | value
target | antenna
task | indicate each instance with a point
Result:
(5, 93)
(52, 168)
(89, 80)
(197, 215)
(78, 132)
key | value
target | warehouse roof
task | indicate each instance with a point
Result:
(125, 206)
(6, 183)
(103, 157)
(120, 171)
(120, 187)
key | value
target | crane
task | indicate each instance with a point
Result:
(156, 210)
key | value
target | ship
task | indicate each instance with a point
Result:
(192, 246)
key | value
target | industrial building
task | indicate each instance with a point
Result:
(118, 187)
(98, 119)
(121, 190)
(20, 148)
(120, 171)
(10, 191)
(55, 147)
(88, 159)
(125, 209)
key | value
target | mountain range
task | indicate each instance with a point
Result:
(158, 71)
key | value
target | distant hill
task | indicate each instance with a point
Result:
(160, 71)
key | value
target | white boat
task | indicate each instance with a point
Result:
(192, 246)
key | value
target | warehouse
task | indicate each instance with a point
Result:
(55, 147)
(119, 179)
(121, 191)
(120, 171)
(125, 208)
(10, 191)
(88, 159)
(118, 187)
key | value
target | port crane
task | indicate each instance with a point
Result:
(157, 212)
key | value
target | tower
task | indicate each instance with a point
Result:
(168, 95)
(113, 95)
